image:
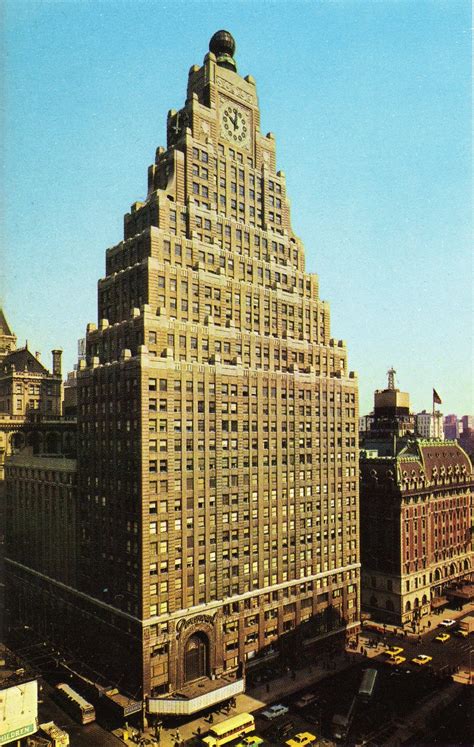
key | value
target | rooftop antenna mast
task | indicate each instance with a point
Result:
(391, 378)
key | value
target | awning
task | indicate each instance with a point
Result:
(197, 696)
(465, 592)
(439, 602)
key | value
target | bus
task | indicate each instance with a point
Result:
(230, 729)
(342, 721)
(367, 685)
(75, 704)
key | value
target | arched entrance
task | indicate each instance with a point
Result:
(17, 442)
(196, 657)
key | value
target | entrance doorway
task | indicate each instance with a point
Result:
(196, 657)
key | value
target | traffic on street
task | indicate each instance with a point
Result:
(410, 680)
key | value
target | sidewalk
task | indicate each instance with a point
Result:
(257, 697)
(427, 623)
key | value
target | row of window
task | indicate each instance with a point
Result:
(244, 390)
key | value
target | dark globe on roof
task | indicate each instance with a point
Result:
(222, 43)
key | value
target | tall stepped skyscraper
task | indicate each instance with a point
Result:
(217, 464)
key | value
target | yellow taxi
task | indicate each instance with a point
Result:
(395, 660)
(422, 660)
(393, 651)
(301, 739)
(442, 637)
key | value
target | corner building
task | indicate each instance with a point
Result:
(217, 464)
(416, 504)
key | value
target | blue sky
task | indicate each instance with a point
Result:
(370, 105)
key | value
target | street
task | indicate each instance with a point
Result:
(91, 735)
(397, 697)
(401, 704)
(454, 653)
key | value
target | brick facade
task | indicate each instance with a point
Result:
(217, 418)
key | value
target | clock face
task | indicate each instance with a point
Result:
(235, 124)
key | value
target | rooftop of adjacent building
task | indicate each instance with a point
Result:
(56, 462)
(22, 360)
(5, 328)
(12, 672)
(412, 461)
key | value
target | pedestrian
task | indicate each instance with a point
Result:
(198, 730)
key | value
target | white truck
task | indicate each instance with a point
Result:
(49, 735)
(466, 626)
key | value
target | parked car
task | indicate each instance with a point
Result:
(313, 717)
(448, 623)
(275, 711)
(462, 633)
(442, 637)
(279, 732)
(422, 659)
(306, 700)
(254, 739)
(301, 739)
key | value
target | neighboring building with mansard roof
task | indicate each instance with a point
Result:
(416, 504)
(22, 360)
